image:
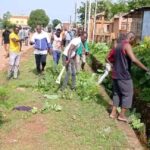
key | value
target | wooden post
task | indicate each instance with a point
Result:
(85, 18)
(89, 20)
(94, 22)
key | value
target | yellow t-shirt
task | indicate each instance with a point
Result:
(14, 46)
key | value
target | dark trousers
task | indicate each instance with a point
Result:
(40, 62)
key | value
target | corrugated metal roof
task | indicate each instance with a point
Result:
(137, 10)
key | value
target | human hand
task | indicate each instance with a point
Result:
(86, 53)
(67, 61)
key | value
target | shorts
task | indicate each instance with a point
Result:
(123, 93)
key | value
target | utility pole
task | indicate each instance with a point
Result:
(70, 22)
(94, 29)
(89, 20)
(85, 18)
(75, 19)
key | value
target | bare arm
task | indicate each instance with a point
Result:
(15, 40)
(134, 59)
(71, 49)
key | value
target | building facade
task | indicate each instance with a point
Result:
(19, 20)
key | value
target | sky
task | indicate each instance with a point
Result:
(60, 9)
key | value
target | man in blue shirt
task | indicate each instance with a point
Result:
(42, 45)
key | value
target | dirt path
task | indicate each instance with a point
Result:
(4, 60)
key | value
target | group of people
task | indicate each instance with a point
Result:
(23, 34)
(74, 53)
(57, 44)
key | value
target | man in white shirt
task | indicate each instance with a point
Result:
(69, 56)
(42, 45)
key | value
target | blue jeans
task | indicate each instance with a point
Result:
(56, 56)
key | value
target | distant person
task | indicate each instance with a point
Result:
(5, 41)
(26, 38)
(14, 53)
(57, 47)
(42, 45)
(69, 56)
(121, 57)
(21, 35)
(68, 38)
(50, 33)
(82, 53)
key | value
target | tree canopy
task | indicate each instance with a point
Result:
(38, 17)
(7, 15)
(55, 22)
(111, 8)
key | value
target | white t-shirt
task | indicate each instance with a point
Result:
(57, 43)
(76, 42)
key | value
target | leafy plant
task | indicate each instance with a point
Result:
(3, 93)
(99, 51)
(87, 89)
(134, 119)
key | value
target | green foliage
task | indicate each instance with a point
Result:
(120, 6)
(7, 24)
(55, 22)
(134, 119)
(7, 15)
(47, 107)
(102, 6)
(51, 97)
(34, 110)
(145, 95)
(86, 86)
(47, 82)
(112, 8)
(99, 51)
(141, 79)
(3, 93)
(38, 17)
(132, 4)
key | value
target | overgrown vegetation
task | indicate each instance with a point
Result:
(99, 51)
(80, 123)
(141, 79)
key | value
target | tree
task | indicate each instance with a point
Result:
(55, 22)
(132, 4)
(120, 7)
(7, 15)
(38, 17)
(102, 6)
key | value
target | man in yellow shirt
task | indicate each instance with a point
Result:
(14, 53)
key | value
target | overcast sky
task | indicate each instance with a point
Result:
(61, 9)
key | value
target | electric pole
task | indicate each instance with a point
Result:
(75, 19)
(94, 29)
(89, 20)
(85, 18)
